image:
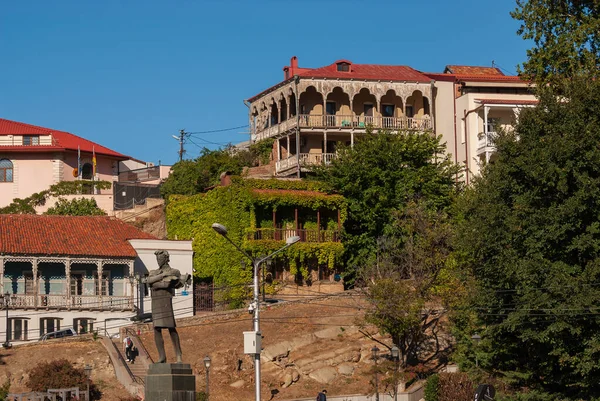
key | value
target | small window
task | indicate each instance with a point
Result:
(387, 110)
(6, 170)
(29, 140)
(343, 67)
(49, 325)
(83, 325)
(18, 328)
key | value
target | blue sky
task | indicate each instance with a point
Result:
(130, 74)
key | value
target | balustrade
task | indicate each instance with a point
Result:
(281, 234)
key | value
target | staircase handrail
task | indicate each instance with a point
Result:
(135, 378)
(131, 332)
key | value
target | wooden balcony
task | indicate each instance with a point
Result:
(485, 142)
(79, 302)
(281, 234)
(362, 122)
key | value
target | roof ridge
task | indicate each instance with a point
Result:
(29, 125)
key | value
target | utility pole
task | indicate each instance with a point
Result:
(181, 139)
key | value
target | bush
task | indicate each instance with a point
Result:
(432, 388)
(60, 373)
(455, 387)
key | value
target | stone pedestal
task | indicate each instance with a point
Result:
(170, 382)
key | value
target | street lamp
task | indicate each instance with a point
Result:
(256, 262)
(396, 358)
(88, 373)
(476, 339)
(375, 355)
(5, 301)
(207, 366)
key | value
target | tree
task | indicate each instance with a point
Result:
(381, 173)
(192, 177)
(530, 230)
(411, 281)
(566, 37)
(60, 373)
(76, 207)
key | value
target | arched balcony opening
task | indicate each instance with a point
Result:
(418, 111)
(337, 109)
(274, 113)
(311, 108)
(292, 105)
(392, 111)
(365, 108)
(283, 109)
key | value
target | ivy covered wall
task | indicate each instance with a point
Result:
(235, 206)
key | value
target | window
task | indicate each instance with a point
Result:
(28, 276)
(31, 140)
(83, 325)
(6, 170)
(17, 329)
(409, 111)
(492, 123)
(87, 171)
(387, 110)
(49, 324)
(330, 108)
(343, 67)
(103, 284)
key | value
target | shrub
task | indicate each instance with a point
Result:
(432, 388)
(60, 373)
(455, 387)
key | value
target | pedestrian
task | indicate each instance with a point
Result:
(128, 344)
(322, 396)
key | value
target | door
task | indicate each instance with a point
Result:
(368, 109)
(330, 114)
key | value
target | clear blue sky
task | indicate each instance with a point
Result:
(130, 74)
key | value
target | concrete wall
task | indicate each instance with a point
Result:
(181, 254)
(31, 173)
(412, 395)
(104, 201)
(443, 111)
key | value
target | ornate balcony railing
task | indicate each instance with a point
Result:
(58, 301)
(286, 164)
(349, 121)
(281, 234)
(486, 140)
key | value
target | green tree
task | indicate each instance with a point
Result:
(191, 177)
(566, 37)
(381, 173)
(76, 207)
(530, 231)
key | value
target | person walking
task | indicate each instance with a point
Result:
(322, 396)
(128, 344)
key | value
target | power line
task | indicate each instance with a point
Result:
(217, 130)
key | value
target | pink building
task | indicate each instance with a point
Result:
(32, 158)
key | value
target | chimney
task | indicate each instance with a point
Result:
(293, 65)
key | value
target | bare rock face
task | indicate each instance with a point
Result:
(324, 375)
(238, 384)
(277, 351)
(289, 377)
(345, 369)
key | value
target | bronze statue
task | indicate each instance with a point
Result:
(163, 283)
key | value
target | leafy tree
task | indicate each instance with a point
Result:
(191, 177)
(530, 229)
(5, 389)
(60, 373)
(409, 281)
(566, 37)
(380, 174)
(76, 207)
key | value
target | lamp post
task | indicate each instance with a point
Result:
(207, 366)
(476, 339)
(88, 373)
(256, 262)
(396, 358)
(375, 355)
(5, 300)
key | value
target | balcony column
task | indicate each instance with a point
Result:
(289, 107)
(352, 139)
(324, 145)
(485, 124)
(278, 148)
(2, 274)
(279, 111)
(288, 147)
(36, 281)
(269, 117)
(100, 268)
(325, 122)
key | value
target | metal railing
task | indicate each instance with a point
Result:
(138, 342)
(61, 301)
(280, 234)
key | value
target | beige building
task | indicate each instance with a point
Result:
(471, 105)
(313, 110)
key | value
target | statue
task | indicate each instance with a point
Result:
(163, 283)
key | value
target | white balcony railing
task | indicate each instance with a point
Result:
(486, 140)
(60, 301)
(315, 158)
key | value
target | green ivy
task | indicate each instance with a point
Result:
(263, 150)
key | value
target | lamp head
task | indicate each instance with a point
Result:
(476, 338)
(292, 240)
(220, 228)
(375, 352)
(207, 362)
(395, 352)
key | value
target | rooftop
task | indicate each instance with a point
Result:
(80, 236)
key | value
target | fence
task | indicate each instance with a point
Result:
(127, 195)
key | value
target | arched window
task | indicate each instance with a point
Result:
(6, 170)
(87, 171)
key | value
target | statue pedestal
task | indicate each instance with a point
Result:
(170, 382)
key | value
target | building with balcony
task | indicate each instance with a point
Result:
(313, 110)
(77, 272)
(32, 158)
(471, 105)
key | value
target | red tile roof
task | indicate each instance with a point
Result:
(62, 140)
(369, 72)
(507, 101)
(80, 236)
(474, 78)
(472, 70)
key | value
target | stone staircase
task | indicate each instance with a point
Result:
(267, 171)
(139, 210)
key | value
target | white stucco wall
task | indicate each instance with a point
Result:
(181, 254)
